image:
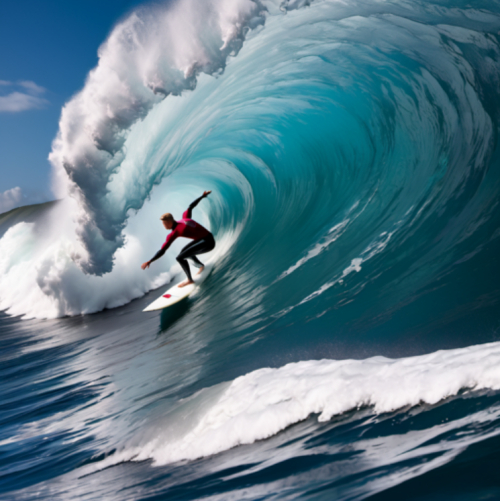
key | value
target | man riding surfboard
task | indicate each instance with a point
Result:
(203, 240)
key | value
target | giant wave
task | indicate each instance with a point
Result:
(369, 125)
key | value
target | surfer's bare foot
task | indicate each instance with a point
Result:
(186, 282)
(200, 270)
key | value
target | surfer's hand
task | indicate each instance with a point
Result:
(145, 265)
(206, 193)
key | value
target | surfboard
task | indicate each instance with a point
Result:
(176, 294)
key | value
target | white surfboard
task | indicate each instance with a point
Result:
(176, 294)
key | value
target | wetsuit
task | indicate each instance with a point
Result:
(186, 227)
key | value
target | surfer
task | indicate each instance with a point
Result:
(186, 227)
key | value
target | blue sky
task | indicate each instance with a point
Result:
(47, 49)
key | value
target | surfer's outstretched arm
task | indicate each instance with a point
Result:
(162, 251)
(158, 255)
(194, 204)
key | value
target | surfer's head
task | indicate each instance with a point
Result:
(168, 220)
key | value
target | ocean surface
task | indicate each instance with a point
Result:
(345, 344)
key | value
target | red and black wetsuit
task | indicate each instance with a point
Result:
(186, 227)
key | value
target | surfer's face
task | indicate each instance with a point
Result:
(168, 224)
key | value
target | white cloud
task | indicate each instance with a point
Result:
(24, 96)
(32, 87)
(17, 101)
(10, 199)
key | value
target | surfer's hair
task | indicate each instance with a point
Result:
(167, 217)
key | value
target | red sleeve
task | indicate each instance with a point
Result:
(170, 238)
(187, 214)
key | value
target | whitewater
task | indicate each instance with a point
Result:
(346, 343)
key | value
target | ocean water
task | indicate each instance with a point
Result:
(346, 342)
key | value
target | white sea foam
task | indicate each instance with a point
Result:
(264, 402)
(40, 278)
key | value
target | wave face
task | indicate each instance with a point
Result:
(351, 149)
(346, 341)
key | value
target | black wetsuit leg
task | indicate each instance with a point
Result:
(192, 249)
(196, 261)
